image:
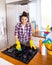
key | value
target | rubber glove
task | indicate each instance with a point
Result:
(32, 44)
(18, 46)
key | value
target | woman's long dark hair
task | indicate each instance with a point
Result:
(24, 14)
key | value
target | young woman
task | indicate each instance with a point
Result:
(23, 32)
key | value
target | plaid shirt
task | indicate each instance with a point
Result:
(23, 35)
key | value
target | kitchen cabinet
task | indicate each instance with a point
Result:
(3, 36)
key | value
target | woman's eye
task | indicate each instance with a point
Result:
(25, 19)
(22, 19)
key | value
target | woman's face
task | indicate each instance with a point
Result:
(24, 20)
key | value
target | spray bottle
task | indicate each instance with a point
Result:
(43, 52)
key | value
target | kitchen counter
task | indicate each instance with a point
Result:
(39, 34)
(38, 59)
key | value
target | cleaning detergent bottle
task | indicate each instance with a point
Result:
(40, 45)
(48, 28)
(43, 52)
(34, 24)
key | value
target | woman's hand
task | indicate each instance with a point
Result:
(32, 45)
(18, 46)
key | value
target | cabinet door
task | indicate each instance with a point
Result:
(3, 35)
(11, 22)
(3, 42)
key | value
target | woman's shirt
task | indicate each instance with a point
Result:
(23, 33)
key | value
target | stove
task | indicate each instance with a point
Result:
(25, 55)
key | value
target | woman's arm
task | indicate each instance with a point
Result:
(16, 32)
(16, 38)
(30, 37)
(30, 32)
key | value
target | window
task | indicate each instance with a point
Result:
(45, 13)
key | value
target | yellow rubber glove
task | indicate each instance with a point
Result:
(18, 46)
(32, 44)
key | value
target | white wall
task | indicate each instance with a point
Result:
(41, 13)
(35, 11)
(38, 17)
(45, 13)
(32, 11)
(20, 9)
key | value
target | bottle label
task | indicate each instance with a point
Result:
(44, 50)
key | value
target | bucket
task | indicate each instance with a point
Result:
(49, 48)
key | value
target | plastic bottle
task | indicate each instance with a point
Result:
(40, 45)
(34, 24)
(43, 52)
